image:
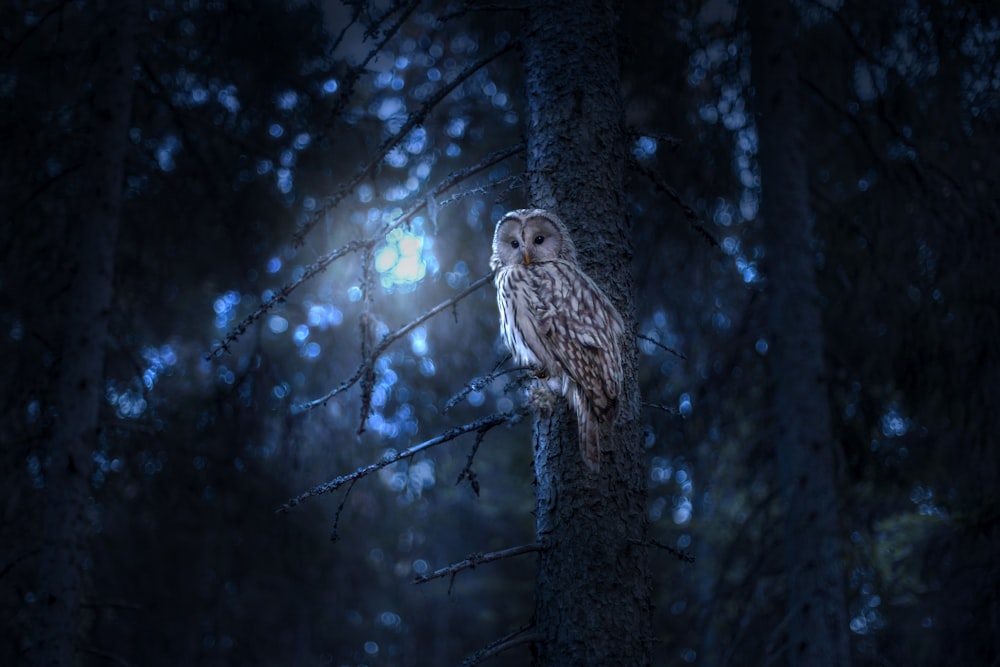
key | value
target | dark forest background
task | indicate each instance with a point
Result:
(256, 261)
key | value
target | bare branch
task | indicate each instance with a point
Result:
(346, 384)
(678, 553)
(18, 559)
(514, 180)
(467, 7)
(473, 560)
(693, 219)
(661, 346)
(489, 421)
(368, 363)
(412, 121)
(673, 142)
(279, 296)
(392, 337)
(482, 381)
(467, 472)
(498, 646)
(661, 406)
(334, 534)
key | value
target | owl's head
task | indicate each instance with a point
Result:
(530, 235)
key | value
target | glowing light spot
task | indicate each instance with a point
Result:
(278, 324)
(400, 260)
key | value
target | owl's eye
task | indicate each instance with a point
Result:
(539, 239)
(515, 245)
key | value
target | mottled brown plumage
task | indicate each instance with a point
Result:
(554, 318)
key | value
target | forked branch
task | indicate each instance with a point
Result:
(487, 422)
(368, 362)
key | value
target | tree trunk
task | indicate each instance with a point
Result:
(593, 603)
(817, 616)
(90, 248)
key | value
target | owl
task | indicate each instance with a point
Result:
(554, 318)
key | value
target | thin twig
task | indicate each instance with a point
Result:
(489, 421)
(472, 560)
(692, 216)
(467, 7)
(498, 646)
(335, 534)
(661, 346)
(661, 406)
(391, 338)
(673, 142)
(678, 553)
(477, 383)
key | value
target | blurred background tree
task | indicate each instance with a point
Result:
(263, 139)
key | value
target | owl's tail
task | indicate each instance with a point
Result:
(588, 427)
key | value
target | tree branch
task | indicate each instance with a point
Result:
(316, 267)
(487, 422)
(368, 363)
(467, 7)
(467, 472)
(500, 645)
(662, 407)
(692, 216)
(472, 560)
(677, 553)
(335, 534)
(661, 346)
(475, 384)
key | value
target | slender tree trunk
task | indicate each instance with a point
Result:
(90, 248)
(594, 585)
(817, 616)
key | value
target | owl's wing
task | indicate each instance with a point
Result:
(584, 330)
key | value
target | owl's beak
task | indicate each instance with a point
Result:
(527, 257)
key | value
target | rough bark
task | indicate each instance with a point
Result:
(593, 603)
(90, 245)
(817, 616)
